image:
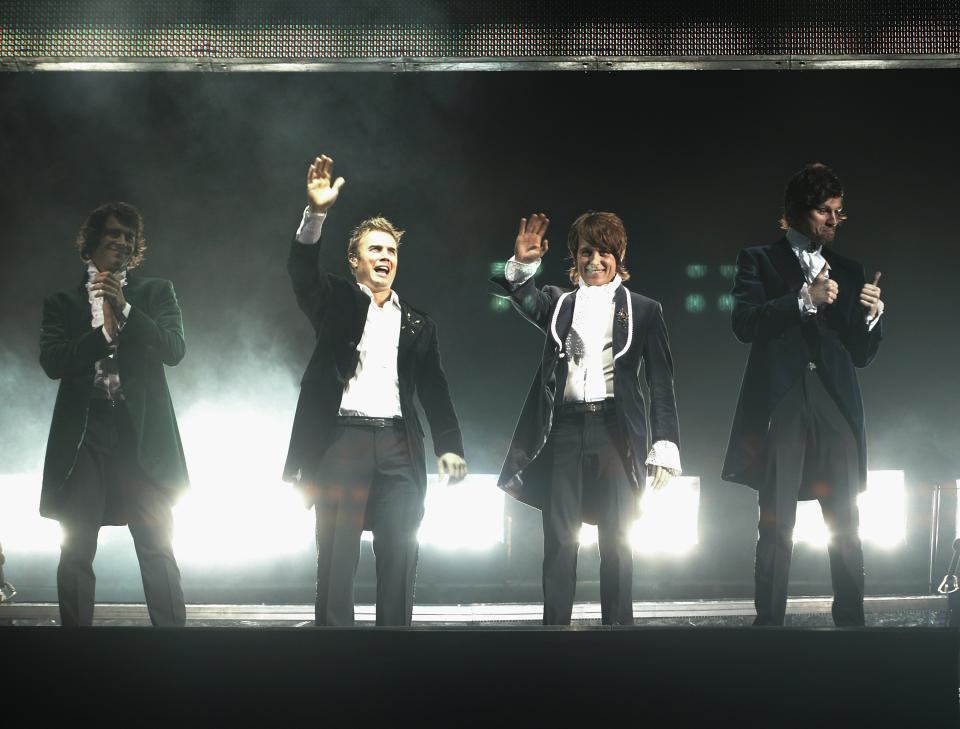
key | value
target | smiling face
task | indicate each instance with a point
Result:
(595, 266)
(820, 224)
(115, 247)
(375, 263)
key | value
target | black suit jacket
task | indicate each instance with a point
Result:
(766, 316)
(337, 309)
(639, 336)
(69, 350)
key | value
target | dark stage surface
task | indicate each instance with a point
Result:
(448, 677)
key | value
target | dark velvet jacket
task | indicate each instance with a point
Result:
(337, 309)
(639, 336)
(766, 316)
(69, 350)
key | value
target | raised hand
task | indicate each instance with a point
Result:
(823, 290)
(531, 245)
(870, 297)
(321, 192)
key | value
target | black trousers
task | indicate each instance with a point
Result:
(588, 476)
(107, 486)
(812, 452)
(367, 481)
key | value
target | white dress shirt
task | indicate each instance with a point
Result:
(374, 389)
(106, 376)
(590, 351)
(810, 256)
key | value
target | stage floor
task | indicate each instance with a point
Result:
(893, 611)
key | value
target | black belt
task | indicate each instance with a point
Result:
(365, 422)
(578, 408)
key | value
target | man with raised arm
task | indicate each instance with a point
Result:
(580, 450)
(811, 318)
(356, 449)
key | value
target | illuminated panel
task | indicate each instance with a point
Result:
(483, 28)
(883, 514)
(22, 529)
(668, 519)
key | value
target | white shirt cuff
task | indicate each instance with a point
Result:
(805, 301)
(665, 453)
(518, 273)
(871, 323)
(309, 231)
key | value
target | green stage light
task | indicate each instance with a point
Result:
(725, 302)
(728, 270)
(694, 303)
(696, 270)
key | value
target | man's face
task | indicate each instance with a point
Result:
(115, 247)
(595, 268)
(375, 264)
(820, 223)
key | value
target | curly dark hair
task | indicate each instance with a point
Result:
(88, 237)
(605, 232)
(808, 189)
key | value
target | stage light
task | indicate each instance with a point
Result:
(882, 508)
(696, 270)
(668, 519)
(728, 270)
(694, 303)
(22, 528)
(497, 268)
(467, 515)
(725, 302)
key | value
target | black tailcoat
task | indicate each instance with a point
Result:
(337, 309)
(766, 315)
(69, 350)
(639, 336)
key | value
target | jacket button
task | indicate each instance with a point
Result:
(562, 355)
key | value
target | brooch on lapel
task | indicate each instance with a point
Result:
(410, 324)
(622, 317)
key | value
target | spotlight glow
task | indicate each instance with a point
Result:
(883, 514)
(22, 529)
(668, 519)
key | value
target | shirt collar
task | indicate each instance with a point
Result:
(92, 271)
(800, 242)
(394, 299)
(602, 291)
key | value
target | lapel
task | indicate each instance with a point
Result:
(785, 262)
(563, 318)
(622, 322)
(411, 323)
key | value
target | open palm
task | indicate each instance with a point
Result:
(530, 244)
(322, 190)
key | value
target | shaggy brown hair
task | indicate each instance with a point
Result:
(88, 237)
(808, 189)
(603, 231)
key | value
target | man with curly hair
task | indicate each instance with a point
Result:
(114, 455)
(580, 450)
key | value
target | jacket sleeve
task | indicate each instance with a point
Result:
(161, 331)
(860, 342)
(756, 318)
(435, 397)
(658, 367)
(310, 286)
(534, 304)
(61, 356)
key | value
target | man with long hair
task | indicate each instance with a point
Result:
(580, 450)
(356, 449)
(114, 454)
(811, 318)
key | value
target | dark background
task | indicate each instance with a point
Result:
(695, 164)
